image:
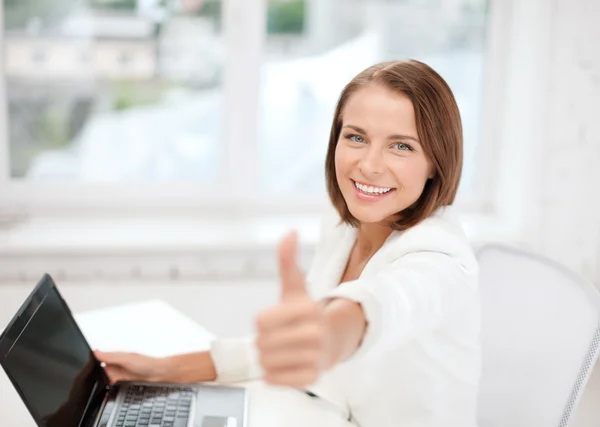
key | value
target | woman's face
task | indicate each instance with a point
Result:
(380, 165)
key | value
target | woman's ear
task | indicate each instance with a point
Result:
(431, 173)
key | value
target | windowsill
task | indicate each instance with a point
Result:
(115, 236)
(172, 248)
(81, 249)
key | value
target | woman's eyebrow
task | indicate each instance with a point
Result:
(402, 137)
(396, 136)
(357, 129)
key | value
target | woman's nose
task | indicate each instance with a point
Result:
(372, 162)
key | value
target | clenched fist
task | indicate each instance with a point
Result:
(294, 338)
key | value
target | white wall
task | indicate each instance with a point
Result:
(569, 198)
(550, 133)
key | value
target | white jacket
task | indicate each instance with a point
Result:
(419, 362)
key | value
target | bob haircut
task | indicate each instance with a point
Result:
(438, 126)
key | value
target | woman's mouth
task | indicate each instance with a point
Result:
(371, 192)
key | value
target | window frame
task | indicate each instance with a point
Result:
(244, 29)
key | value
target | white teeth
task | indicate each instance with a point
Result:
(370, 189)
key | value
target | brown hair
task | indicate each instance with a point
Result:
(439, 129)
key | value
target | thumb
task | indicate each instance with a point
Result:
(292, 279)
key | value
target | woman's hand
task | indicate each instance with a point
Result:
(133, 367)
(294, 338)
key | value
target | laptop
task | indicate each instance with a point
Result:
(53, 368)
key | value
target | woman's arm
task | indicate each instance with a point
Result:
(189, 368)
(411, 296)
(186, 368)
(229, 360)
(347, 324)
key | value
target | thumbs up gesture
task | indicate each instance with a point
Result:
(293, 338)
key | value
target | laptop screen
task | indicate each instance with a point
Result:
(51, 362)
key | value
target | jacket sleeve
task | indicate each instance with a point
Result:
(414, 294)
(235, 359)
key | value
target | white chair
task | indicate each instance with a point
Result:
(540, 339)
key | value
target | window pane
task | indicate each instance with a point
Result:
(315, 47)
(114, 90)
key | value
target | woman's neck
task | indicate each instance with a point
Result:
(370, 238)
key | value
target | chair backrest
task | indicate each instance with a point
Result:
(540, 339)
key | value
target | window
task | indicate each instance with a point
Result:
(314, 47)
(39, 57)
(137, 114)
(205, 101)
(125, 59)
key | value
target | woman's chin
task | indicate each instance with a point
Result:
(367, 217)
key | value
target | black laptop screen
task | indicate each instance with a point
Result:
(52, 364)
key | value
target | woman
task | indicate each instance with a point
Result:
(389, 316)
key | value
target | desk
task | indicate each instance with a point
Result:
(157, 329)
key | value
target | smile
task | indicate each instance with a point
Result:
(372, 190)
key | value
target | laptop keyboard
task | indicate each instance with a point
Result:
(151, 406)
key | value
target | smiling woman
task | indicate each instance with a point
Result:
(390, 306)
(395, 146)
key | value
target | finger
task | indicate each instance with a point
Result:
(308, 336)
(288, 315)
(115, 358)
(116, 374)
(291, 359)
(293, 378)
(292, 278)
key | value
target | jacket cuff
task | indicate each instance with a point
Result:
(235, 360)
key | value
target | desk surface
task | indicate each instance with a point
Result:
(150, 327)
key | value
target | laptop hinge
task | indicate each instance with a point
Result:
(95, 409)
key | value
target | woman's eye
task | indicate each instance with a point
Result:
(403, 147)
(356, 138)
